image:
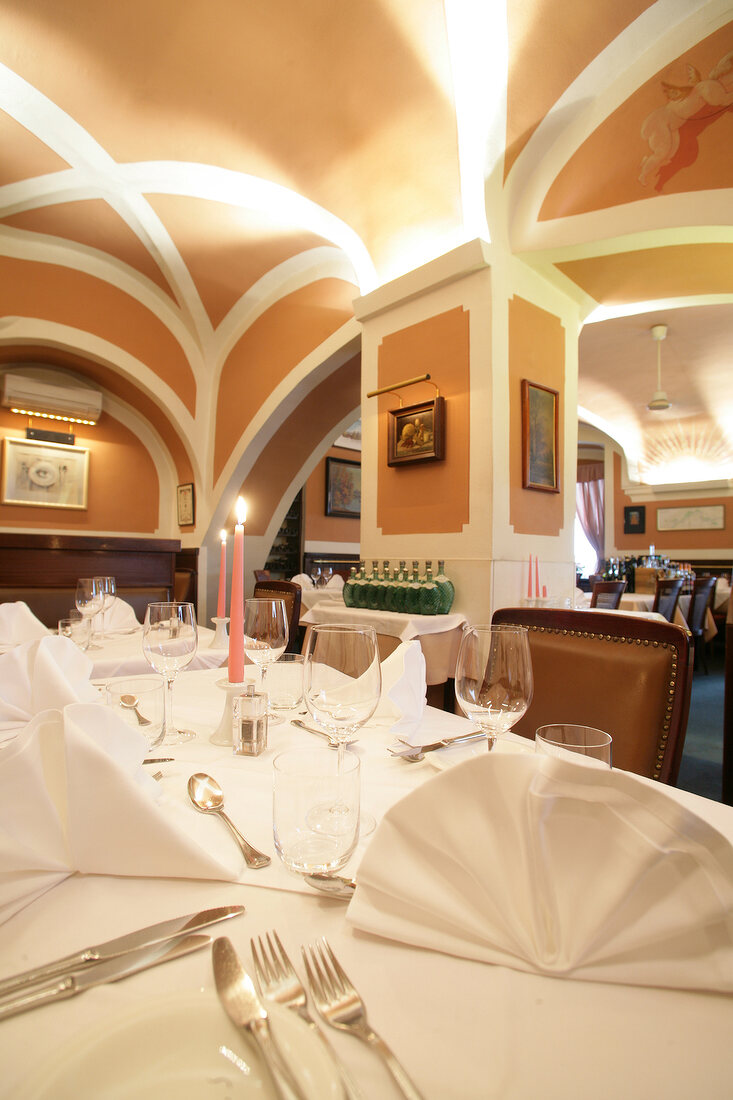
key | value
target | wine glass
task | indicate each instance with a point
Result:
(89, 601)
(265, 635)
(342, 684)
(108, 588)
(170, 640)
(494, 677)
(315, 574)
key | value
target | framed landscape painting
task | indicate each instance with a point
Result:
(539, 437)
(343, 488)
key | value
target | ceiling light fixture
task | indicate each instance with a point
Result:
(659, 400)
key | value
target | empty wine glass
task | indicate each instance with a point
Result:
(265, 635)
(342, 684)
(315, 574)
(493, 680)
(108, 588)
(170, 640)
(89, 601)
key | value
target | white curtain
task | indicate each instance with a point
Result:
(589, 500)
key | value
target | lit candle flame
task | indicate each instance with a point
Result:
(241, 510)
(223, 536)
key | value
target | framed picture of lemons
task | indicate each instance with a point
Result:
(416, 433)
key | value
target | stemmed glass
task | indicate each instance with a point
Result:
(315, 575)
(265, 635)
(89, 602)
(493, 679)
(108, 588)
(170, 640)
(342, 684)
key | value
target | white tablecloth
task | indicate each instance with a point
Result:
(464, 1030)
(122, 655)
(310, 597)
(641, 601)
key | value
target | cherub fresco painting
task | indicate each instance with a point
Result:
(702, 100)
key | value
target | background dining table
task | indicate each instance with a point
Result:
(464, 1030)
(122, 654)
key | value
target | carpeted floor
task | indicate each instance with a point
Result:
(701, 770)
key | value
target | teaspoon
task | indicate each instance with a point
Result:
(130, 703)
(208, 797)
(334, 885)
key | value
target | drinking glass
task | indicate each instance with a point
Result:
(77, 629)
(342, 684)
(572, 742)
(285, 681)
(306, 785)
(265, 635)
(108, 588)
(170, 640)
(89, 601)
(315, 575)
(494, 677)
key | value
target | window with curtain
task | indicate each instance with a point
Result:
(589, 502)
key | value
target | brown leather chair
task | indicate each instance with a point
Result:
(667, 596)
(607, 594)
(703, 591)
(624, 674)
(290, 593)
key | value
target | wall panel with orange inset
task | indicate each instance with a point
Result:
(269, 349)
(123, 484)
(430, 497)
(667, 540)
(536, 352)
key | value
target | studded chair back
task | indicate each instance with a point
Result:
(290, 593)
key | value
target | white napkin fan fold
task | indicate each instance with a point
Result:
(18, 624)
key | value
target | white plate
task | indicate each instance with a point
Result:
(456, 754)
(184, 1047)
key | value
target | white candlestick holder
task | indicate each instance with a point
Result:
(222, 735)
(221, 638)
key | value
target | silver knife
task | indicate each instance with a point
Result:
(330, 737)
(112, 971)
(244, 1008)
(146, 937)
(413, 750)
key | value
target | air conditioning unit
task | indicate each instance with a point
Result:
(76, 404)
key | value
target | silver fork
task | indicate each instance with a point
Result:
(341, 1006)
(278, 981)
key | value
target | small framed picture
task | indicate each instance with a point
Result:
(635, 519)
(540, 422)
(44, 475)
(186, 505)
(343, 488)
(416, 433)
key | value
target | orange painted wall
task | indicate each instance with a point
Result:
(318, 526)
(536, 352)
(432, 496)
(123, 484)
(668, 540)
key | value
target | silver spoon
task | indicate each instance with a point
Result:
(208, 797)
(334, 885)
(333, 742)
(130, 703)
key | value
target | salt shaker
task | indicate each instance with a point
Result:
(249, 722)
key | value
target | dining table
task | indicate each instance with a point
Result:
(121, 653)
(464, 1030)
(642, 601)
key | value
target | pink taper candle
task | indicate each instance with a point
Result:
(529, 579)
(221, 606)
(537, 576)
(236, 611)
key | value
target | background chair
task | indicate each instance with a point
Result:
(703, 591)
(290, 593)
(607, 594)
(667, 596)
(261, 575)
(620, 673)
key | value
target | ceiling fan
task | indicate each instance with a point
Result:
(659, 400)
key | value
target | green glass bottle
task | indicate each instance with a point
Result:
(412, 602)
(399, 593)
(348, 592)
(359, 587)
(373, 589)
(446, 588)
(429, 593)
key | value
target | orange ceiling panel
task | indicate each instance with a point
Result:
(269, 349)
(68, 297)
(93, 223)
(573, 32)
(608, 169)
(23, 155)
(654, 273)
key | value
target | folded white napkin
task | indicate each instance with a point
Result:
(18, 624)
(119, 618)
(336, 581)
(50, 672)
(302, 579)
(76, 798)
(542, 865)
(404, 691)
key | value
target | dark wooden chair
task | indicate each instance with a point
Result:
(290, 593)
(607, 595)
(703, 591)
(624, 674)
(261, 575)
(667, 596)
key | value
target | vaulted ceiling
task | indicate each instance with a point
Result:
(185, 184)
